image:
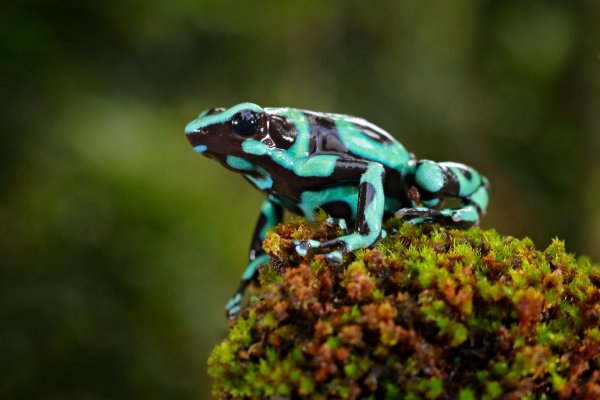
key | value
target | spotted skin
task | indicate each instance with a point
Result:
(355, 171)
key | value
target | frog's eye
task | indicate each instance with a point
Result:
(245, 122)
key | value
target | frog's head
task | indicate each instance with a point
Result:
(219, 132)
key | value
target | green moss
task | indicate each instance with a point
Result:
(430, 313)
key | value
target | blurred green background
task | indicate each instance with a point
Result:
(119, 245)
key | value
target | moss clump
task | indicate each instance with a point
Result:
(429, 313)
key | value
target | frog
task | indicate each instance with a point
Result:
(358, 173)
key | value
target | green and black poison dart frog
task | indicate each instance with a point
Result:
(353, 170)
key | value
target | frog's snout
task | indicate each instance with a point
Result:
(192, 127)
(196, 136)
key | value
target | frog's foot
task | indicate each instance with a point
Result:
(331, 249)
(303, 246)
(456, 217)
(419, 215)
(340, 223)
(234, 305)
(335, 257)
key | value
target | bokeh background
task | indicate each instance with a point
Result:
(119, 245)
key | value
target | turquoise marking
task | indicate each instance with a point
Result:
(302, 251)
(334, 257)
(262, 182)
(466, 186)
(253, 146)
(429, 176)
(394, 155)
(295, 158)
(311, 201)
(300, 147)
(373, 211)
(485, 181)
(253, 266)
(432, 203)
(342, 224)
(298, 151)
(233, 305)
(200, 148)
(268, 210)
(481, 198)
(239, 163)
(204, 120)
(318, 165)
(468, 213)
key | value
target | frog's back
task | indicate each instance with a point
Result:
(345, 135)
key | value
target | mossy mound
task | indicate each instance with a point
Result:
(429, 313)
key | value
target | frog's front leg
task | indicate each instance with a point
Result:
(436, 181)
(369, 215)
(271, 214)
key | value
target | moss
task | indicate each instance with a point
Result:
(430, 313)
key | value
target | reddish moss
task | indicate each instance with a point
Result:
(429, 313)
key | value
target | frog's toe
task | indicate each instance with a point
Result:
(416, 221)
(302, 246)
(234, 305)
(335, 257)
(411, 213)
(401, 213)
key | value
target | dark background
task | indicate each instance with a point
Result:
(119, 245)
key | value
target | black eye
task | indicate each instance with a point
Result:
(245, 122)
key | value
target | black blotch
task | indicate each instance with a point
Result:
(324, 136)
(379, 136)
(365, 197)
(367, 193)
(451, 185)
(466, 173)
(393, 184)
(281, 132)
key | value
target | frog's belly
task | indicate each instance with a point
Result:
(337, 201)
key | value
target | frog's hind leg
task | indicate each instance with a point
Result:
(369, 215)
(271, 214)
(437, 181)
(234, 305)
